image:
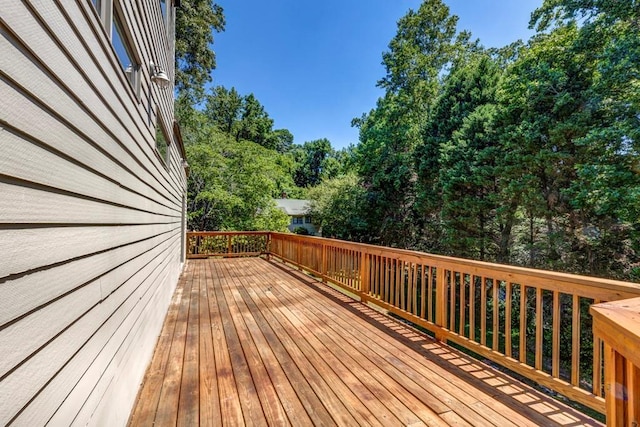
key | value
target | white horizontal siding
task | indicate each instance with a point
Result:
(24, 205)
(24, 159)
(24, 293)
(79, 357)
(91, 220)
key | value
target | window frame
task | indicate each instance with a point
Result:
(159, 128)
(112, 18)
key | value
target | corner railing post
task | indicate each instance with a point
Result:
(617, 324)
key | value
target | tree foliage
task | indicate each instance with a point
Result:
(196, 22)
(314, 163)
(526, 154)
(232, 183)
(338, 207)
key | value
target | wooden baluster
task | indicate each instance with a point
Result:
(345, 266)
(346, 262)
(355, 269)
(575, 341)
(430, 293)
(403, 286)
(349, 260)
(423, 293)
(414, 286)
(597, 366)
(409, 288)
(472, 307)
(365, 274)
(523, 324)
(496, 312)
(267, 245)
(463, 304)
(386, 274)
(483, 311)
(555, 345)
(396, 282)
(538, 354)
(507, 319)
(385, 279)
(452, 301)
(376, 275)
(324, 263)
(228, 243)
(441, 298)
(597, 363)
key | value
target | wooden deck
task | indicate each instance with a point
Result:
(251, 342)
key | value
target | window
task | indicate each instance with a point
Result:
(162, 145)
(104, 9)
(296, 220)
(307, 220)
(116, 31)
(124, 52)
(163, 9)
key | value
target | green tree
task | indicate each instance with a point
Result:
(605, 193)
(339, 206)
(231, 185)
(281, 140)
(424, 46)
(314, 162)
(224, 108)
(445, 165)
(255, 124)
(245, 118)
(196, 22)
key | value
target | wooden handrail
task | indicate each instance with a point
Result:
(617, 324)
(533, 322)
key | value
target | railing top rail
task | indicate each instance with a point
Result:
(455, 263)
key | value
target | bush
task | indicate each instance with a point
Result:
(301, 230)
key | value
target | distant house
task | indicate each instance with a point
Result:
(92, 206)
(298, 211)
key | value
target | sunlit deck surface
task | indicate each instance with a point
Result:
(252, 342)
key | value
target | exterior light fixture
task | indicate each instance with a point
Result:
(158, 76)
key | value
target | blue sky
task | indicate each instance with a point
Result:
(314, 65)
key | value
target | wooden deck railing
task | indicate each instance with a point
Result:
(204, 244)
(536, 323)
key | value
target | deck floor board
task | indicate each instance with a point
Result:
(252, 342)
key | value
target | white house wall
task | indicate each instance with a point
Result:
(91, 220)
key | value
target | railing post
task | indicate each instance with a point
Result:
(617, 325)
(268, 245)
(364, 273)
(441, 293)
(324, 263)
(228, 243)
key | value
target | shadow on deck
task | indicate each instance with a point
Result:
(252, 342)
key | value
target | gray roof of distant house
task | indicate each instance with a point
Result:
(293, 207)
